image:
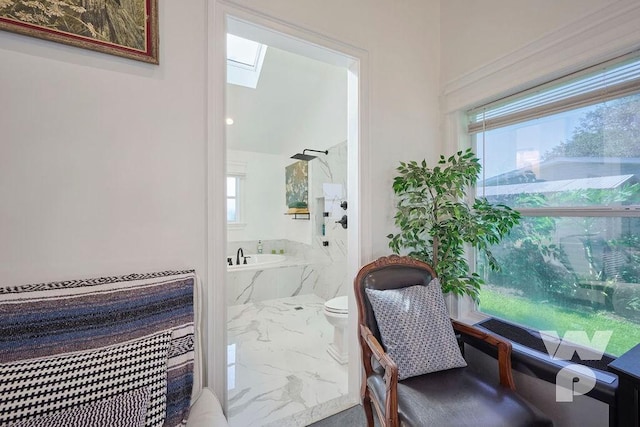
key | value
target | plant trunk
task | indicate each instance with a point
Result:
(436, 244)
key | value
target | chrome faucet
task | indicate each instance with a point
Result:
(240, 251)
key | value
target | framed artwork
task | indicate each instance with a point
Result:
(297, 186)
(127, 28)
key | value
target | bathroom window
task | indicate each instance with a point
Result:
(233, 201)
(566, 155)
(236, 174)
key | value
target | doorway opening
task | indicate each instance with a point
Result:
(288, 359)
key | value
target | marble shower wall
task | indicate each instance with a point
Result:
(309, 269)
(332, 273)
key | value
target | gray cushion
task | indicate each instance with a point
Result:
(415, 329)
(458, 397)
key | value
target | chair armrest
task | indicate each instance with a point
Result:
(378, 352)
(390, 374)
(503, 346)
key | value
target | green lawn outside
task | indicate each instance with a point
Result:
(552, 316)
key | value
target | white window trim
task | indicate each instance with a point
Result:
(605, 33)
(236, 225)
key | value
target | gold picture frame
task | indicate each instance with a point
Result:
(127, 28)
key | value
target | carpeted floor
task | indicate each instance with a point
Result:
(353, 417)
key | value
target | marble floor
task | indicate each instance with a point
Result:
(279, 371)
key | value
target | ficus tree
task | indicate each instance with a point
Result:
(437, 219)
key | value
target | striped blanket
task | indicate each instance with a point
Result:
(61, 317)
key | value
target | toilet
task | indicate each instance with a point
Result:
(336, 311)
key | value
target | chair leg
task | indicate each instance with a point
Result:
(368, 410)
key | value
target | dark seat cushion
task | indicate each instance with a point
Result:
(458, 398)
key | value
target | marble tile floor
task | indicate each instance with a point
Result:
(279, 371)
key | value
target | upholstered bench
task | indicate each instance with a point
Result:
(113, 351)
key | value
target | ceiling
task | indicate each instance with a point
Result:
(299, 103)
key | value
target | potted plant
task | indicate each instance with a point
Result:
(437, 218)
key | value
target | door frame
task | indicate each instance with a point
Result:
(359, 188)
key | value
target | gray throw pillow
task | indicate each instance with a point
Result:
(415, 329)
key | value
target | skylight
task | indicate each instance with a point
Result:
(244, 61)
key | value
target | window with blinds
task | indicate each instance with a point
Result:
(566, 154)
(608, 81)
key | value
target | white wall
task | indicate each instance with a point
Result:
(475, 33)
(299, 103)
(513, 45)
(264, 197)
(102, 159)
(102, 168)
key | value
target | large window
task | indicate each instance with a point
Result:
(567, 156)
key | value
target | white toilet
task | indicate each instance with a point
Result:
(336, 311)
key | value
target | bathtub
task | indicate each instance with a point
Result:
(256, 261)
(269, 276)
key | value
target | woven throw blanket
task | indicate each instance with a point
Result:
(60, 317)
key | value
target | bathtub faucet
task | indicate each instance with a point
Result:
(240, 251)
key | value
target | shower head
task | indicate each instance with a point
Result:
(305, 157)
(308, 157)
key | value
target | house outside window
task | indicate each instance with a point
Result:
(567, 156)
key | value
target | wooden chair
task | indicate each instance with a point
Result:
(454, 397)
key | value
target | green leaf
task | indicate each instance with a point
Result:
(436, 219)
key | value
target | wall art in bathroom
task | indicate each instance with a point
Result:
(127, 28)
(297, 186)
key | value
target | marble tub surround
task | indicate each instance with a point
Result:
(317, 269)
(289, 278)
(279, 370)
